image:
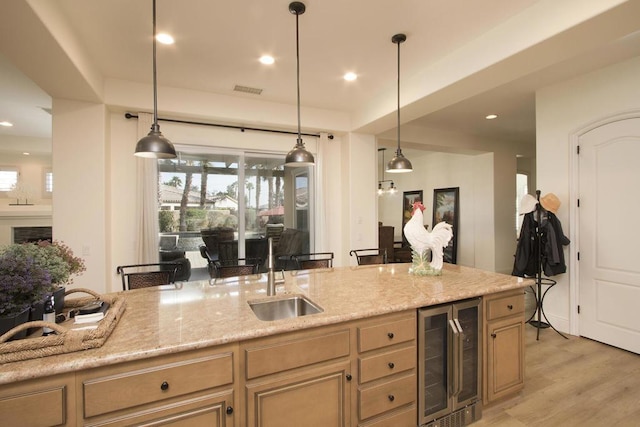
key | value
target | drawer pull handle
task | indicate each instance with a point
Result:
(510, 307)
(391, 365)
(390, 335)
(493, 335)
(348, 377)
(164, 386)
(229, 410)
(391, 398)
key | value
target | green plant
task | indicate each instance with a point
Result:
(23, 282)
(166, 221)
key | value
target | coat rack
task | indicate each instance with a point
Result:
(536, 317)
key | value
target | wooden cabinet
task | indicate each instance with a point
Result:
(42, 402)
(195, 387)
(503, 369)
(387, 380)
(301, 378)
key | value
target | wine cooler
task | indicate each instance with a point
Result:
(450, 349)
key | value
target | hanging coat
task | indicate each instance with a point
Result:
(551, 241)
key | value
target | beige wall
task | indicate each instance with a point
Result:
(561, 111)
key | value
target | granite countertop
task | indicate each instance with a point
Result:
(168, 319)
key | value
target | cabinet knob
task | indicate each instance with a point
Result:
(348, 377)
(391, 365)
(510, 307)
(164, 386)
(229, 410)
(391, 398)
(390, 335)
(493, 335)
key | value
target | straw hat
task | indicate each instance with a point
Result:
(527, 204)
(550, 202)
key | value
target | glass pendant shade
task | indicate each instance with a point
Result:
(155, 145)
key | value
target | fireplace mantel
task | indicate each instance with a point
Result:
(22, 216)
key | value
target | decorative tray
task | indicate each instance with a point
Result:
(69, 336)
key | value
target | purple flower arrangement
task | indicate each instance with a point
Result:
(22, 282)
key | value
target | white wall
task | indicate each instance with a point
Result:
(473, 174)
(561, 110)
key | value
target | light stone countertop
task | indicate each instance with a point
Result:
(167, 319)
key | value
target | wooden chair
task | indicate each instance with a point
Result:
(370, 256)
(235, 267)
(313, 260)
(138, 276)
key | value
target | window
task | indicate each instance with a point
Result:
(48, 183)
(236, 193)
(522, 188)
(8, 178)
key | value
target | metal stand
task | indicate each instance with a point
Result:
(540, 282)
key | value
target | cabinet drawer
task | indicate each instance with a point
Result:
(387, 396)
(278, 357)
(406, 418)
(382, 365)
(386, 334)
(506, 305)
(30, 408)
(130, 388)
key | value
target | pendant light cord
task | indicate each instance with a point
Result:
(298, 76)
(155, 78)
(398, 109)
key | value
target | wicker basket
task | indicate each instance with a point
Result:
(66, 339)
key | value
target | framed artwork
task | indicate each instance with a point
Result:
(445, 208)
(408, 198)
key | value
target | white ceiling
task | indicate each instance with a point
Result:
(218, 45)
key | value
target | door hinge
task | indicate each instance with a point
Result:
(578, 149)
(578, 309)
(578, 202)
(578, 256)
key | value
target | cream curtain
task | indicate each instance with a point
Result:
(321, 226)
(147, 228)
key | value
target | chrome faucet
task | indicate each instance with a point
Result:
(271, 275)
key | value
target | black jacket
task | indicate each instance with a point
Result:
(551, 241)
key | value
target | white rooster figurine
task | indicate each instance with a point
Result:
(421, 240)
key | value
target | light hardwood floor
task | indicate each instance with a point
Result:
(574, 382)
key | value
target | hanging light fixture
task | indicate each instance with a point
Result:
(392, 188)
(155, 145)
(399, 163)
(298, 156)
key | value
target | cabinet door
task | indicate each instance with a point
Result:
(313, 397)
(505, 357)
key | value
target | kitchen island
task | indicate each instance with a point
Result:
(214, 329)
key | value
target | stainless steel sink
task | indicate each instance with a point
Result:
(284, 308)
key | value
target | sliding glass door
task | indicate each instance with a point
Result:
(227, 201)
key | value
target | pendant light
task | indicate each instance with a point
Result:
(298, 156)
(155, 145)
(399, 163)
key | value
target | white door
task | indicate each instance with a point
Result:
(609, 233)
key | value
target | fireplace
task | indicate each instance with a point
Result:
(31, 234)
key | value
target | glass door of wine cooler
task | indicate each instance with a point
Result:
(449, 356)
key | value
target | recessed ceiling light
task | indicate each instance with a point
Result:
(26, 154)
(6, 124)
(165, 38)
(350, 76)
(491, 116)
(267, 59)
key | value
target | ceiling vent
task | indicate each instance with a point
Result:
(247, 89)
